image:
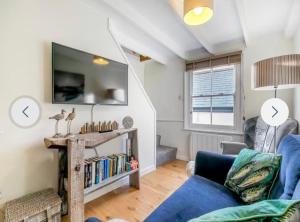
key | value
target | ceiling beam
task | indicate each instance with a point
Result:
(293, 20)
(240, 9)
(126, 41)
(147, 27)
(177, 6)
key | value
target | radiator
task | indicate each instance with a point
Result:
(206, 142)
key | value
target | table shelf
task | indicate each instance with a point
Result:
(92, 140)
(108, 181)
(75, 146)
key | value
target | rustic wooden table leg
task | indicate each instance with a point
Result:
(76, 180)
(134, 179)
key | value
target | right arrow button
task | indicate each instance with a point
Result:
(274, 112)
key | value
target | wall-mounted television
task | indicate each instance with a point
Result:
(83, 78)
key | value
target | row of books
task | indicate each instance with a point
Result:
(98, 169)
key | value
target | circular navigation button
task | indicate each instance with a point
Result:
(25, 112)
(274, 112)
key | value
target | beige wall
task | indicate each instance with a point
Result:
(262, 48)
(297, 90)
(27, 30)
(164, 84)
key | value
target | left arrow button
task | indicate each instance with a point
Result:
(24, 111)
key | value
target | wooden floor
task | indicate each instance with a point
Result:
(134, 205)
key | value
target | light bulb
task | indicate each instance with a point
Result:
(198, 10)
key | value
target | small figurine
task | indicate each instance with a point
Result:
(58, 117)
(134, 164)
(69, 119)
(108, 126)
(114, 125)
(103, 126)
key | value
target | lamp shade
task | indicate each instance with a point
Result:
(278, 72)
(197, 12)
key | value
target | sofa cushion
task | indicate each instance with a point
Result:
(296, 194)
(263, 211)
(252, 175)
(289, 174)
(197, 196)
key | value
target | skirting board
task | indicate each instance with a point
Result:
(147, 170)
(182, 157)
(115, 185)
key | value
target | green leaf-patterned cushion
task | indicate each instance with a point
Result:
(253, 174)
(264, 211)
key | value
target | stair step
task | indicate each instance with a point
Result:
(165, 154)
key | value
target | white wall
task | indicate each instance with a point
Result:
(138, 66)
(164, 84)
(297, 90)
(27, 30)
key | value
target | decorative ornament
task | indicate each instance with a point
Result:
(58, 117)
(127, 122)
(69, 119)
(100, 127)
(115, 125)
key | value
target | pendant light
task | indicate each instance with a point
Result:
(197, 12)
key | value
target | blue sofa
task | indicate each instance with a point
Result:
(204, 192)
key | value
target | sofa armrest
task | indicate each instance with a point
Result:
(213, 166)
(232, 148)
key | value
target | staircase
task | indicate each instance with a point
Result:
(164, 154)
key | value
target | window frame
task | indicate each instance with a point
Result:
(238, 106)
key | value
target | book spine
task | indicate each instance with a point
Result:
(119, 164)
(93, 172)
(128, 150)
(124, 162)
(85, 175)
(97, 173)
(90, 174)
(102, 169)
(105, 166)
(115, 165)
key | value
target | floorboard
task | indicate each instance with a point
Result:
(134, 205)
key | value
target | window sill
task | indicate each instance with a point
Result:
(225, 132)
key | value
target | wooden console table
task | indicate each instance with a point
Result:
(75, 148)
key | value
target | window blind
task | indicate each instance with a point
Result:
(221, 60)
(213, 89)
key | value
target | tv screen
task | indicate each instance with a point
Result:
(83, 78)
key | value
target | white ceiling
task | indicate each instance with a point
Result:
(234, 25)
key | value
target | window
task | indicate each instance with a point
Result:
(213, 92)
(213, 99)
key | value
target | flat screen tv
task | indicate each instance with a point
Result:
(83, 78)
